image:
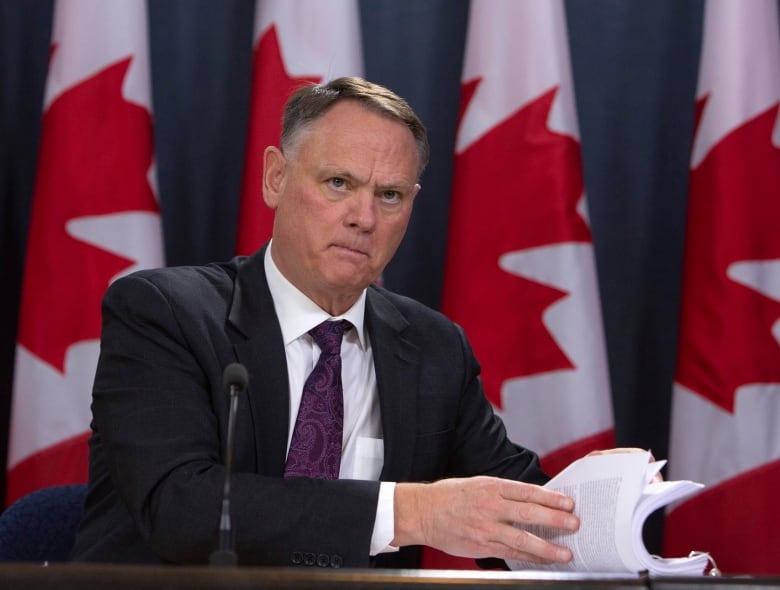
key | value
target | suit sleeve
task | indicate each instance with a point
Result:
(482, 445)
(478, 424)
(159, 415)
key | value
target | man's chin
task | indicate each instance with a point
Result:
(350, 282)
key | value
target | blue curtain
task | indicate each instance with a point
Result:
(635, 67)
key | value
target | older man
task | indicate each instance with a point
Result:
(358, 397)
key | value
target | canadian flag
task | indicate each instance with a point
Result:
(726, 404)
(94, 217)
(294, 43)
(520, 275)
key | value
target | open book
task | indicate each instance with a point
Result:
(613, 495)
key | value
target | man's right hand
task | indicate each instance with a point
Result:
(474, 517)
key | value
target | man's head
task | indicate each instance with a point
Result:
(342, 186)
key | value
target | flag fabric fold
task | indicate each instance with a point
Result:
(726, 398)
(294, 43)
(520, 272)
(94, 218)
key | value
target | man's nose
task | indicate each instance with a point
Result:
(362, 210)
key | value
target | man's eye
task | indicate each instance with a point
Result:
(391, 196)
(338, 183)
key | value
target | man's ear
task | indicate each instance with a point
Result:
(274, 164)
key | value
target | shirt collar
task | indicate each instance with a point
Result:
(298, 314)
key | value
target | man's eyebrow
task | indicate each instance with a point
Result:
(397, 186)
(330, 171)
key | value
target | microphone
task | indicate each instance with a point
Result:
(234, 379)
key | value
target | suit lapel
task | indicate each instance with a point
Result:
(260, 348)
(396, 363)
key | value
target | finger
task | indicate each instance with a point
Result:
(521, 545)
(619, 450)
(507, 553)
(522, 492)
(527, 513)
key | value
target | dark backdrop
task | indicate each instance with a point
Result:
(635, 68)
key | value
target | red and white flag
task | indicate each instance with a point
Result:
(726, 402)
(520, 274)
(95, 217)
(294, 43)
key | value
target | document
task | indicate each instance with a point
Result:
(613, 496)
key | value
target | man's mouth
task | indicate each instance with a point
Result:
(348, 250)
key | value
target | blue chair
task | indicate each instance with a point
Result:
(41, 526)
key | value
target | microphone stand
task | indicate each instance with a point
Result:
(235, 376)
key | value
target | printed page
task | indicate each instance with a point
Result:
(614, 494)
(655, 496)
(605, 489)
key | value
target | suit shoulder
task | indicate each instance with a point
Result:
(211, 273)
(181, 283)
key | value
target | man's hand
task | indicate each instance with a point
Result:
(474, 517)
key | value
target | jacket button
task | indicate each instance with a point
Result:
(323, 560)
(296, 558)
(336, 561)
(309, 559)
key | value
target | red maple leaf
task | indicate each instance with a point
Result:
(516, 187)
(733, 216)
(96, 150)
(271, 87)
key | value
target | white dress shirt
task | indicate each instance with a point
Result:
(362, 454)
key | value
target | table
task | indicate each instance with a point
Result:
(73, 576)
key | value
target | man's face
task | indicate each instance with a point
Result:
(343, 197)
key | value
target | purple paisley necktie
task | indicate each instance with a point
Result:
(315, 448)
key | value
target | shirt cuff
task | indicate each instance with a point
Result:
(384, 524)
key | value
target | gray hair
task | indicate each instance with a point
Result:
(312, 101)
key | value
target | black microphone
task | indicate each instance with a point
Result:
(234, 379)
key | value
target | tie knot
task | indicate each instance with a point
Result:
(328, 335)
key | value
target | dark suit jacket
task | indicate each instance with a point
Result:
(160, 420)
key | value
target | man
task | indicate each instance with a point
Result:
(342, 185)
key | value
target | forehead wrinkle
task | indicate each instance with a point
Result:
(349, 152)
(395, 181)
